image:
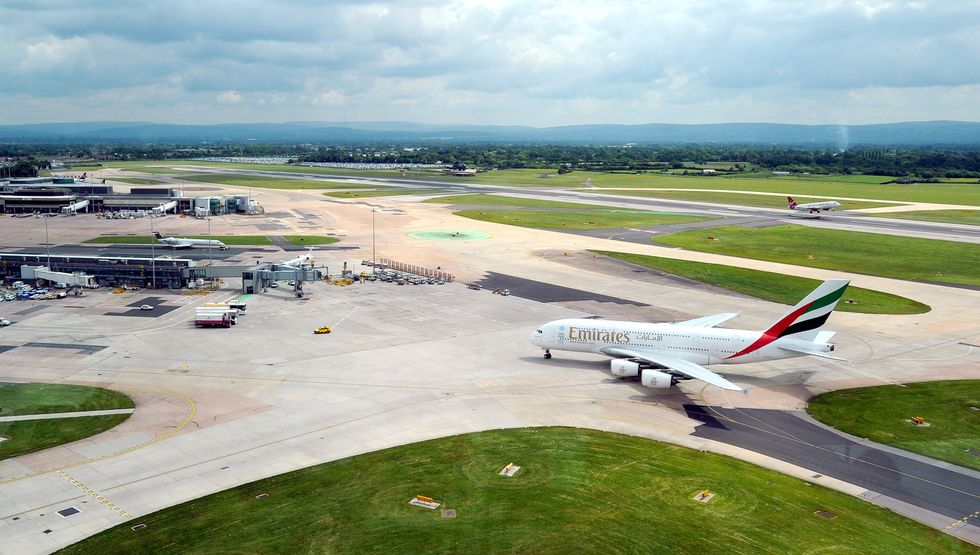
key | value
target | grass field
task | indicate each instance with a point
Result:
(33, 435)
(741, 199)
(542, 219)
(39, 398)
(381, 193)
(823, 186)
(36, 398)
(864, 253)
(880, 414)
(271, 182)
(778, 288)
(148, 239)
(137, 180)
(579, 491)
(966, 217)
(501, 200)
(310, 240)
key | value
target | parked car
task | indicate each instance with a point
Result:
(146, 307)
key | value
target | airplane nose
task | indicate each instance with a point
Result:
(534, 338)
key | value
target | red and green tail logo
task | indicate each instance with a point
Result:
(809, 314)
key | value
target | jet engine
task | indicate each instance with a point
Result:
(624, 368)
(656, 380)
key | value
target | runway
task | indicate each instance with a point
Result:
(836, 220)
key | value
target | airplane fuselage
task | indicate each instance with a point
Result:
(183, 243)
(699, 345)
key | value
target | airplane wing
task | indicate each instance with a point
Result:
(674, 364)
(708, 321)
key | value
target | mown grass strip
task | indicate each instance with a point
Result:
(501, 200)
(382, 193)
(28, 436)
(778, 288)
(310, 240)
(572, 485)
(882, 414)
(42, 398)
(964, 217)
(875, 254)
(741, 199)
(540, 219)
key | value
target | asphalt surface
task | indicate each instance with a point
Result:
(787, 437)
(545, 292)
(864, 223)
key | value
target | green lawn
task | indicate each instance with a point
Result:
(28, 436)
(41, 398)
(542, 219)
(578, 491)
(822, 186)
(240, 180)
(148, 239)
(778, 288)
(741, 199)
(382, 193)
(500, 200)
(864, 253)
(967, 217)
(137, 180)
(880, 413)
(310, 240)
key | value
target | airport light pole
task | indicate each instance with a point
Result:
(210, 262)
(374, 247)
(153, 254)
(47, 244)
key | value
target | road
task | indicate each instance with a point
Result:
(839, 220)
(791, 437)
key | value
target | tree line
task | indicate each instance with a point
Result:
(899, 162)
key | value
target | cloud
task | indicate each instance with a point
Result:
(510, 62)
(229, 97)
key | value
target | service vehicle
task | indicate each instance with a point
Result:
(322, 330)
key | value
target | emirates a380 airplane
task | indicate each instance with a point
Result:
(663, 354)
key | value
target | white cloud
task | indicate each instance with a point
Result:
(229, 97)
(548, 62)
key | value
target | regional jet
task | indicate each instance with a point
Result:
(662, 354)
(304, 260)
(813, 207)
(185, 243)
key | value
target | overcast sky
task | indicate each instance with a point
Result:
(525, 62)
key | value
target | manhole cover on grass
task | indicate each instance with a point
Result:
(825, 514)
(449, 235)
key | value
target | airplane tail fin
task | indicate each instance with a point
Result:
(810, 314)
(792, 203)
(807, 317)
(156, 235)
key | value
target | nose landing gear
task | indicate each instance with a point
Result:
(547, 354)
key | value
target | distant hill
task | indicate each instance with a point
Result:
(841, 136)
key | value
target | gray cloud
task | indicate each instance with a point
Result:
(537, 63)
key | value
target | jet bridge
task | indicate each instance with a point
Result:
(262, 276)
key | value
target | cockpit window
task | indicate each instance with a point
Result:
(539, 331)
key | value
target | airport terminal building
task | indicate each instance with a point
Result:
(173, 273)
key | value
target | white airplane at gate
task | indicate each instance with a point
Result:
(662, 354)
(185, 243)
(303, 260)
(812, 207)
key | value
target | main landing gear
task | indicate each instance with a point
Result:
(547, 354)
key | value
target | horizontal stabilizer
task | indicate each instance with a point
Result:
(708, 321)
(808, 351)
